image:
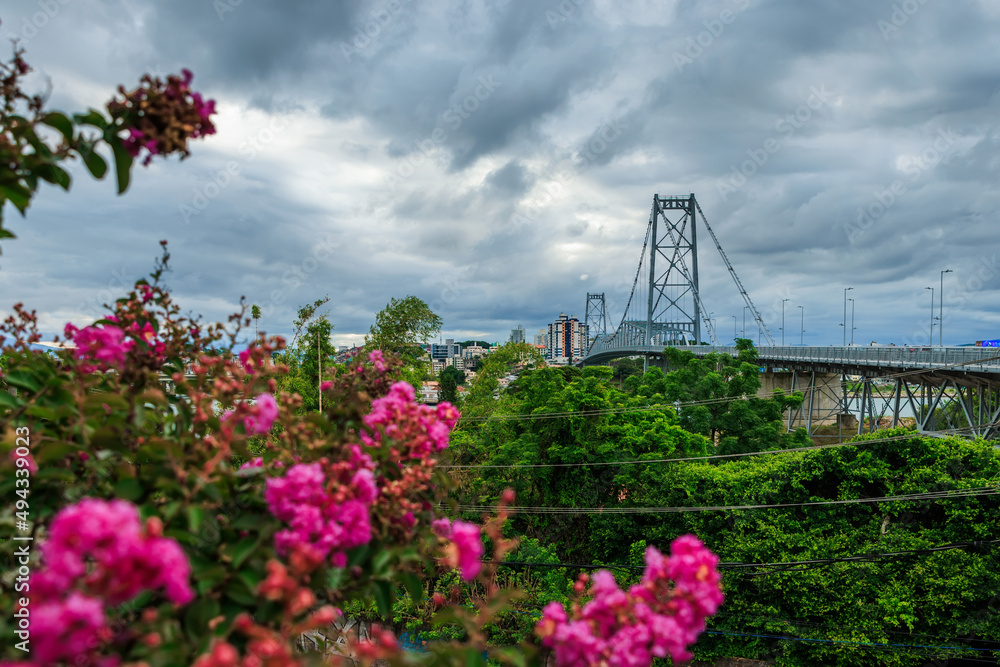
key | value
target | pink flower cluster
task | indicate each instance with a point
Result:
(326, 514)
(165, 107)
(96, 555)
(105, 345)
(265, 411)
(466, 548)
(421, 429)
(652, 620)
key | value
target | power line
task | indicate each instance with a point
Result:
(860, 558)
(931, 495)
(876, 645)
(954, 431)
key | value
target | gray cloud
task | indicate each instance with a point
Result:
(497, 158)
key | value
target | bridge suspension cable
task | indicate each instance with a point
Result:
(736, 278)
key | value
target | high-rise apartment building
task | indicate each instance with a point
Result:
(517, 335)
(567, 339)
(446, 350)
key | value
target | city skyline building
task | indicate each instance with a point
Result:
(567, 338)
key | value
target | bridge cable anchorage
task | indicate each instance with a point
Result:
(736, 279)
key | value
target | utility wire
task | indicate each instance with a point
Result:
(681, 404)
(844, 642)
(895, 438)
(860, 558)
(931, 495)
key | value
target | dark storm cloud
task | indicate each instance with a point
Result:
(497, 158)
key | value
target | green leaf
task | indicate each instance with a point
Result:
(195, 516)
(414, 586)
(92, 117)
(54, 174)
(8, 400)
(129, 489)
(123, 164)
(60, 122)
(5, 233)
(23, 380)
(384, 596)
(242, 550)
(381, 562)
(54, 451)
(197, 616)
(96, 164)
(237, 591)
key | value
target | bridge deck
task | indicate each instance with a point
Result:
(841, 359)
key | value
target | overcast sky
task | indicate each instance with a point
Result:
(498, 158)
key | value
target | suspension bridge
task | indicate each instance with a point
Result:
(944, 390)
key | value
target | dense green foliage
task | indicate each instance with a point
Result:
(946, 598)
(451, 378)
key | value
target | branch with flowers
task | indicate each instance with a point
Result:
(158, 117)
(344, 505)
(144, 539)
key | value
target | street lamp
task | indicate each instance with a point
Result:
(745, 309)
(853, 328)
(846, 289)
(930, 339)
(783, 320)
(802, 325)
(941, 311)
(735, 335)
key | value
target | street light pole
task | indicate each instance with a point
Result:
(846, 289)
(852, 321)
(735, 335)
(745, 309)
(783, 320)
(802, 325)
(941, 310)
(930, 338)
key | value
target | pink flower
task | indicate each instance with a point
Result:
(317, 521)
(326, 386)
(470, 548)
(104, 345)
(30, 462)
(257, 462)
(421, 429)
(126, 561)
(441, 528)
(67, 628)
(377, 360)
(266, 412)
(653, 619)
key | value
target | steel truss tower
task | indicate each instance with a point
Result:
(673, 311)
(597, 317)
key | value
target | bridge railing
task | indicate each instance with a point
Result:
(968, 358)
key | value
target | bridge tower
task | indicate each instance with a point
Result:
(673, 307)
(597, 317)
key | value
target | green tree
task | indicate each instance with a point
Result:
(400, 328)
(721, 393)
(591, 423)
(451, 378)
(887, 600)
(255, 314)
(310, 354)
